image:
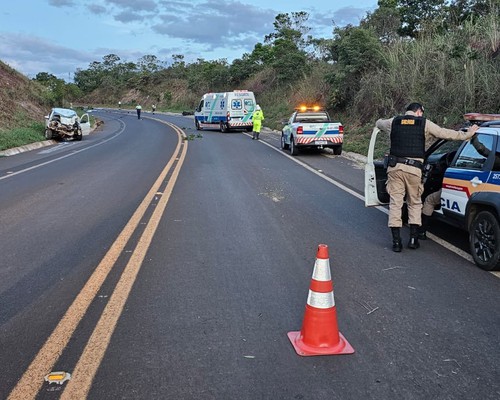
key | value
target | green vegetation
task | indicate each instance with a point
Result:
(21, 136)
(444, 54)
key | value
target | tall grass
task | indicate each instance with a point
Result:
(451, 74)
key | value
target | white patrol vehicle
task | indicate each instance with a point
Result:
(468, 175)
(225, 111)
(311, 127)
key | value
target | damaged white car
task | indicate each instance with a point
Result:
(64, 123)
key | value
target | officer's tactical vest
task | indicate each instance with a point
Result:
(408, 136)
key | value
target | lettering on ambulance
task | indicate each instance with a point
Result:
(496, 176)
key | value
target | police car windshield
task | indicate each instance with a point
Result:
(312, 117)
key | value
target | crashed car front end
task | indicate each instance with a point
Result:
(63, 123)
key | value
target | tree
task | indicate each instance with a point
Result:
(290, 27)
(415, 14)
(354, 50)
(55, 87)
(249, 64)
(208, 76)
(462, 10)
(384, 21)
(110, 61)
(288, 56)
(149, 64)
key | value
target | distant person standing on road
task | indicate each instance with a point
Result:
(257, 118)
(153, 107)
(408, 134)
(138, 108)
(119, 104)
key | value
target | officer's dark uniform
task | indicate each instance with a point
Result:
(405, 175)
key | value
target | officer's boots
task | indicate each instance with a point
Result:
(422, 230)
(413, 243)
(397, 246)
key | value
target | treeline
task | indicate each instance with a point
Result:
(444, 54)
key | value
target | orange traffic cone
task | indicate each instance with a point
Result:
(320, 334)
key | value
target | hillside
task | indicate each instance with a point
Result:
(21, 100)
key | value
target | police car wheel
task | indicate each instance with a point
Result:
(284, 145)
(484, 239)
(293, 149)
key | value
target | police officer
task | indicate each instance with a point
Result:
(138, 108)
(408, 134)
(257, 118)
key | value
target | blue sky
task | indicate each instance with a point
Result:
(59, 36)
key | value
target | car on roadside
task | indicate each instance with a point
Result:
(64, 123)
(468, 175)
(311, 127)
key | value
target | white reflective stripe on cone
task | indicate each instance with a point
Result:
(321, 270)
(320, 300)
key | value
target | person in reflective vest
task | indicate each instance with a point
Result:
(257, 118)
(408, 134)
(138, 109)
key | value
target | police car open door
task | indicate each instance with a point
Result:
(375, 176)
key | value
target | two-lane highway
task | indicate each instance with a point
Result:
(226, 276)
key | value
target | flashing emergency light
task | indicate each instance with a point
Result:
(304, 108)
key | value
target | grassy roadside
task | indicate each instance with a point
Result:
(31, 133)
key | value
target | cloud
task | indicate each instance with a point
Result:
(348, 15)
(30, 55)
(216, 25)
(128, 16)
(62, 3)
(96, 9)
(134, 5)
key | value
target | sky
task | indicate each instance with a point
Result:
(61, 36)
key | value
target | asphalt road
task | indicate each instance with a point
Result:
(226, 275)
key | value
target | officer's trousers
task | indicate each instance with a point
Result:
(399, 184)
(430, 203)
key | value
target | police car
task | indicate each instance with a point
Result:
(311, 127)
(468, 175)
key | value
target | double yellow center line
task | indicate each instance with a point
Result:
(81, 380)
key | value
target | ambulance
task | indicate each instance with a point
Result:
(225, 111)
